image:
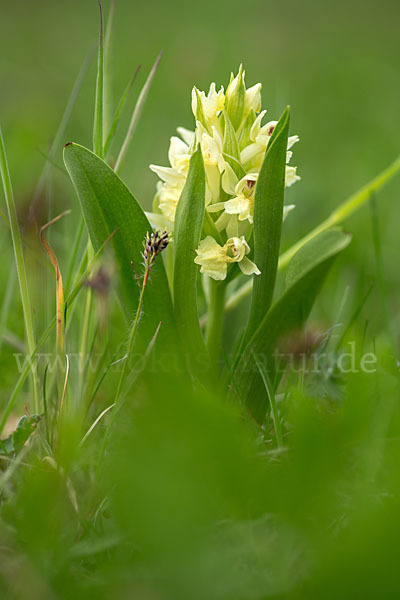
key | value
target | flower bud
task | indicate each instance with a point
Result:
(235, 98)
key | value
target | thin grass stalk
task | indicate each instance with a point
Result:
(58, 138)
(8, 296)
(131, 338)
(108, 67)
(29, 365)
(117, 115)
(272, 402)
(136, 114)
(20, 263)
(215, 318)
(98, 124)
(59, 284)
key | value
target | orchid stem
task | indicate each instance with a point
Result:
(131, 338)
(215, 321)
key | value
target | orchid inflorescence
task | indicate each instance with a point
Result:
(233, 142)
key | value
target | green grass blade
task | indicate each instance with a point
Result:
(98, 124)
(19, 260)
(354, 317)
(188, 226)
(7, 302)
(107, 204)
(136, 114)
(268, 211)
(108, 68)
(340, 214)
(68, 302)
(58, 138)
(118, 112)
(272, 402)
(304, 279)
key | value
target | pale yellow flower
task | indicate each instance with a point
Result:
(243, 202)
(239, 101)
(179, 155)
(210, 105)
(252, 99)
(231, 180)
(260, 136)
(169, 192)
(214, 259)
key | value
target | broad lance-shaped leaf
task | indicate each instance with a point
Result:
(268, 211)
(305, 275)
(107, 205)
(187, 232)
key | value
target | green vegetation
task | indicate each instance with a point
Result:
(210, 411)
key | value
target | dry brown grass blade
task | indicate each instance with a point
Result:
(59, 283)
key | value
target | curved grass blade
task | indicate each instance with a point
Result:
(272, 402)
(19, 261)
(188, 227)
(304, 279)
(268, 211)
(29, 364)
(118, 112)
(136, 113)
(107, 204)
(59, 283)
(58, 138)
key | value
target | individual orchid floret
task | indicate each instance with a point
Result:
(214, 163)
(243, 202)
(206, 109)
(234, 98)
(168, 192)
(214, 258)
(239, 101)
(252, 100)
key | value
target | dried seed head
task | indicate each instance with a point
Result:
(154, 244)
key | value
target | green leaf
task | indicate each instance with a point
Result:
(107, 205)
(14, 443)
(268, 211)
(231, 148)
(245, 139)
(187, 232)
(210, 229)
(304, 279)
